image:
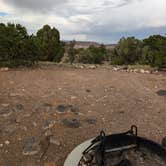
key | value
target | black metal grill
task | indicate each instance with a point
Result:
(114, 148)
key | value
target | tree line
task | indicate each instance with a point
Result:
(18, 48)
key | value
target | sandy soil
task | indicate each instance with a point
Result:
(104, 99)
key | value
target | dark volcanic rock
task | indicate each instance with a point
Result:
(91, 120)
(18, 108)
(61, 109)
(88, 90)
(71, 123)
(5, 111)
(48, 124)
(31, 147)
(67, 108)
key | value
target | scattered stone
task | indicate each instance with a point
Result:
(10, 128)
(92, 67)
(91, 120)
(13, 128)
(147, 71)
(71, 123)
(142, 71)
(73, 97)
(48, 124)
(1, 145)
(7, 142)
(34, 124)
(23, 128)
(18, 120)
(14, 94)
(121, 112)
(5, 105)
(11, 82)
(19, 108)
(74, 110)
(5, 111)
(47, 106)
(62, 109)
(88, 90)
(48, 133)
(67, 108)
(54, 141)
(50, 164)
(115, 69)
(44, 107)
(31, 147)
(81, 67)
(4, 69)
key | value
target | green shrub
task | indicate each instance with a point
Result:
(16, 47)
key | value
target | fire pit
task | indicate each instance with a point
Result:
(124, 149)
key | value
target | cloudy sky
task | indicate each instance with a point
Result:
(95, 20)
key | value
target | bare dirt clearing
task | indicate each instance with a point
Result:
(46, 112)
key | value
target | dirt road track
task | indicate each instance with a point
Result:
(103, 99)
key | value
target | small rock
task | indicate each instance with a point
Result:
(71, 123)
(48, 124)
(4, 69)
(50, 164)
(1, 145)
(14, 94)
(67, 108)
(147, 71)
(10, 128)
(54, 141)
(31, 147)
(88, 90)
(115, 69)
(5, 105)
(7, 142)
(92, 67)
(48, 133)
(73, 97)
(19, 108)
(5, 111)
(61, 109)
(34, 124)
(11, 82)
(74, 109)
(121, 112)
(18, 120)
(91, 120)
(142, 71)
(47, 106)
(23, 128)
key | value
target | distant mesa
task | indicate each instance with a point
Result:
(86, 44)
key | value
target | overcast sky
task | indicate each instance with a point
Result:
(93, 20)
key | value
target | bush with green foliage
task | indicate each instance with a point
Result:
(17, 48)
(71, 51)
(150, 51)
(128, 51)
(51, 49)
(154, 51)
(92, 55)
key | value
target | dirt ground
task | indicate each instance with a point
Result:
(101, 99)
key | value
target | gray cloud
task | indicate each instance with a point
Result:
(105, 20)
(35, 5)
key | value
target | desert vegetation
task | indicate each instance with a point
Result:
(18, 48)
